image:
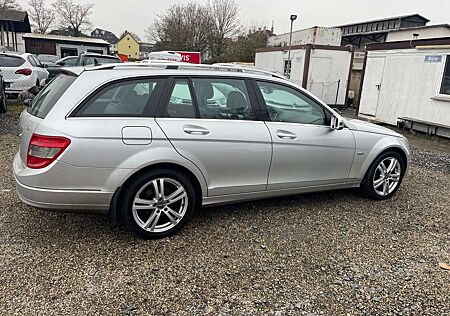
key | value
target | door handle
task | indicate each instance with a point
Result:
(286, 135)
(195, 130)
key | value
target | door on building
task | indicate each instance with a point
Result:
(372, 85)
(319, 82)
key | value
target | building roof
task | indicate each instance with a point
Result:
(13, 15)
(422, 27)
(19, 19)
(61, 38)
(108, 36)
(401, 17)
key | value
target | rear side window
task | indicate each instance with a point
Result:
(131, 98)
(47, 98)
(11, 61)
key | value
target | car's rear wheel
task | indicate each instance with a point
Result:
(158, 203)
(384, 176)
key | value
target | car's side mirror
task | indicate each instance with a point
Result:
(337, 123)
(44, 66)
(28, 102)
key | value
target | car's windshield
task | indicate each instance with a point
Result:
(48, 97)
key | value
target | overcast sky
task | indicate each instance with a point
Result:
(137, 15)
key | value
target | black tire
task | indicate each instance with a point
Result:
(127, 196)
(367, 186)
(3, 103)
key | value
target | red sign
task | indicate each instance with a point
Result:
(190, 57)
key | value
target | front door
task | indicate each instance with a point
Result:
(306, 151)
(212, 122)
(372, 85)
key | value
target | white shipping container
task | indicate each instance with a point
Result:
(328, 69)
(314, 35)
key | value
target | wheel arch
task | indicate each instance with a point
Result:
(200, 191)
(394, 148)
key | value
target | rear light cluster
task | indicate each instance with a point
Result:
(25, 72)
(43, 150)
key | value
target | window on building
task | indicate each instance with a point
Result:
(445, 86)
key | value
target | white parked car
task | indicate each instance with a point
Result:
(22, 72)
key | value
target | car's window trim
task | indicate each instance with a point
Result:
(147, 114)
(248, 85)
(265, 111)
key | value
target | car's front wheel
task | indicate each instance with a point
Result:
(158, 203)
(384, 176)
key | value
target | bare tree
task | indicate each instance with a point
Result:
(41, 16)
(182, 27)
(9, 5)
(225, 14)
(73, 17)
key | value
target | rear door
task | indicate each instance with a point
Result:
(213, 122)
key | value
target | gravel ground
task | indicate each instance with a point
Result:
(331, 253)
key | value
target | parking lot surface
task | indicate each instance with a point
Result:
(332, 253)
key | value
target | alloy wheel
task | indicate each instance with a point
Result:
(160, 205)
(387, 176)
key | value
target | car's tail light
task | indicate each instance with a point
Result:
(43, 150)
(25, 71)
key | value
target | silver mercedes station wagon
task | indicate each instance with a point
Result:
(149, 143)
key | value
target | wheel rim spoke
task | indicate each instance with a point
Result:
(150, 220)
(378, 183)
(176, 196)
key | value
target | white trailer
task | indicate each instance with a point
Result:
(323, 70)
(408, 82)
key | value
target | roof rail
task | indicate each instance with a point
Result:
(186, 66)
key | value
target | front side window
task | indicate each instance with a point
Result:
(286, 104)
(128, 99)
(445, 86)
(47, 98)
(223, 99)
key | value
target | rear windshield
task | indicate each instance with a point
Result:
(47, 98)
(11, 61)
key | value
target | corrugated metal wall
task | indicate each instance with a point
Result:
(409, 86)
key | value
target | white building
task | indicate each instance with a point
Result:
(323, 70)
(314, 35)
(419, 33)
(409, 79)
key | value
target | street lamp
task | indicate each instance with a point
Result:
(293, 18)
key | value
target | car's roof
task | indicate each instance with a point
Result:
(179, 68)
(12, 55)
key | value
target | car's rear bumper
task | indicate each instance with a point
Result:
(65, 200)
(89, 201)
